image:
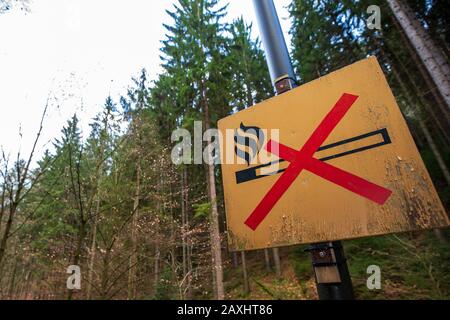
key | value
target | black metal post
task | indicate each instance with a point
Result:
(330, 267)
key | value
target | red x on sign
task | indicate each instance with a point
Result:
(303, 159)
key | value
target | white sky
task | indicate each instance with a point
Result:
(77, 52)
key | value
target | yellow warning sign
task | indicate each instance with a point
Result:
(330, 160)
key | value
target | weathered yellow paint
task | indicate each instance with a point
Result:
(313, 209)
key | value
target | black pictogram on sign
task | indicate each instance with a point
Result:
(252, 173)
(249, 142)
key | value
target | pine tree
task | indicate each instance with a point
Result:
(194, 56)
(99, 147)
(431, 55)
(250, 76)
(322, 37)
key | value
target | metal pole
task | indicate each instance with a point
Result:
(330, 267)
(277, 55)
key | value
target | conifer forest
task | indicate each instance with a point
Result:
(103, 212)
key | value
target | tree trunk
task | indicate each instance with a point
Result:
(244, 273)
(157, 258)
(12, 284)
(93, 249)
(216, 243)
(434, 148)
(234, 259)
(78, 249)
(105, 275)
(416, 91)
(183, 224)
(189, 242)
(267, 260)
(442, 107)
(430, 54)
(276, 260)
(6, 232)
(26, 292)
(134, 221)
(215, 231)
(187, 263)
(156, 268)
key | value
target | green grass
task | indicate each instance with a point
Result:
(412, 266)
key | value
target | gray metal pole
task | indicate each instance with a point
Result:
(330, 267)
(277, 55)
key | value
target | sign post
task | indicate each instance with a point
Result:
(331, 271)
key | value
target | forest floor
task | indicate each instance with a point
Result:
(413, 266)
